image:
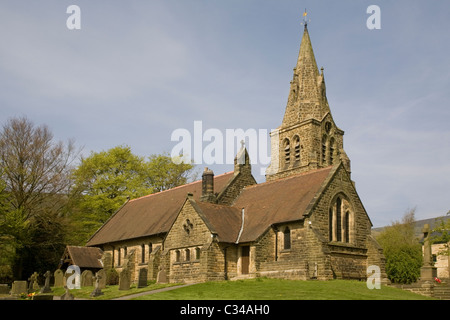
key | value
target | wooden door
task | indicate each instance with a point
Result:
(245, 259)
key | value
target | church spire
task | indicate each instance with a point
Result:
(307, 97)
(308, 138)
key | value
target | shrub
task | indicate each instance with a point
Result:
(403, 264)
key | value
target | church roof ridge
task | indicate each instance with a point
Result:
(290, 177)
(178, 187)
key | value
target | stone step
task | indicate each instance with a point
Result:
(243, 277)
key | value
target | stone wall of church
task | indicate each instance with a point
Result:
(276, 259)
(348, 258)
(242, 178)
(191, 253)
(139, 250)
(341, 185)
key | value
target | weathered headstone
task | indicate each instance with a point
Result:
(4, 289)
(161, 277)
(142, 280)
(46, 287)
(67, 295)
(97, 291)
(102, 281)
(59, 278)
(33, 285)
(87, 278)
(19, 287)
(125, 279)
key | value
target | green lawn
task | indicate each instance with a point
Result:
(275, 289)
(256, 289)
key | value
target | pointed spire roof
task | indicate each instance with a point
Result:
(306, 67)
(307, 93)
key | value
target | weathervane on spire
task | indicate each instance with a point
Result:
(305, 19)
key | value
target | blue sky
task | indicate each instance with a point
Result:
(138, 70)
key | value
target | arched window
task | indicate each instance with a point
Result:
(340, 221)
(331, 152)
(177, 256)
(324, 150)
(330, 224)
(143, 253)
(197, 253)
(347, 227)
(187, 253)
(297, 150)
(287, 152)
(287, 238)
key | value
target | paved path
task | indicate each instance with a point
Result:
(131, 296)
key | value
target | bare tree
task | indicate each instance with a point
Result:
(35, 174)
(34, 167)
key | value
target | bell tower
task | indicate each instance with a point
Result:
(308, 137)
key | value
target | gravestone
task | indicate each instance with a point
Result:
(59, 278)
(4, 289)
(87, 278)
(97, 291)
(102, 281)
(428, 272)
(67, 295)
(125, 280)
(161, 277)
(142, 280)
(19, 287)
(46, 288)
(34, 285)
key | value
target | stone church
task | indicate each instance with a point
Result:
(305, 222)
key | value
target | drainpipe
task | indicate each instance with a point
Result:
(242, 225)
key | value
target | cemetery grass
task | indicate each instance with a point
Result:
(279, 289)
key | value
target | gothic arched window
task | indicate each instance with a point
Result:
(331, 152)
(142, 253)
(197, 253)
(347, 226)
(340, 220)
(297, 149)
(287, 239)
(287, 152)
(324, 150)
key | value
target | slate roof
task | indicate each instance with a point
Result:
(282, 200)
(151, 215)
(85, 257)
(264, 205)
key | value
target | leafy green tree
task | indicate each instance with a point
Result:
(402, 250)
(164, 173)
(103, 182)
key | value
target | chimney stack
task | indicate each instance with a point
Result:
(208, 186)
